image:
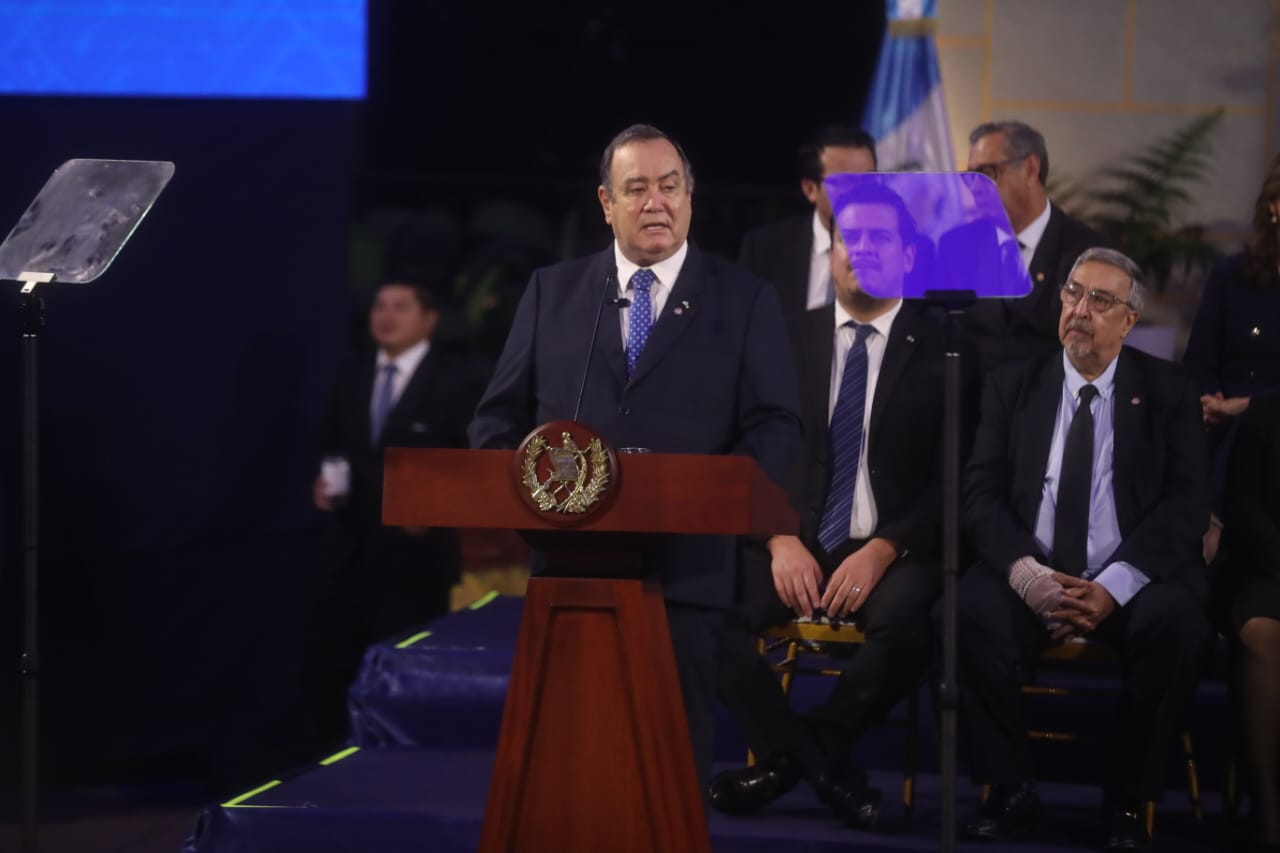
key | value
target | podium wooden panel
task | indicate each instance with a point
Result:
(594, 750)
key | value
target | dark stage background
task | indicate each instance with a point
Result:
(181, 392)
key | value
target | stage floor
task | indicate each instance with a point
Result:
(393, 800)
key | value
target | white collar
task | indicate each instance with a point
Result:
(1030, 236)
(1105, 383)
(667, 271)
(821, 234)
(881, 324)
(406, 362)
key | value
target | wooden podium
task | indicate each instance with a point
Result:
(594, 750)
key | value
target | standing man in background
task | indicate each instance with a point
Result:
(373, 581)
(1013, 155)
(795, 253)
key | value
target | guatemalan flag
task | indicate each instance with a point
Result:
(905, 110)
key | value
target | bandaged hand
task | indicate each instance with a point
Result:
(1034, 583)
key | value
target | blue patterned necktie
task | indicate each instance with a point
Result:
(846, 441)
(640, 317)
(383, 404)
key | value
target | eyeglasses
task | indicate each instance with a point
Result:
(1100, 301)
(992, 170)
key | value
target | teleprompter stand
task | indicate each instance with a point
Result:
(70, 234)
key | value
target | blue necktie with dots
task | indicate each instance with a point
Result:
(846, 441)
(640, 317)
(383, 404)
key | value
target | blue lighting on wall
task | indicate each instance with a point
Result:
(184, 48)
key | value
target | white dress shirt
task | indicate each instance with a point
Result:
(1121, 579)
(666, 271)
(863, 522)
(820, 290)
(1029, 237)
(406, 363)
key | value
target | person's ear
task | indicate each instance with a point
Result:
(606, 203)
(812, 189)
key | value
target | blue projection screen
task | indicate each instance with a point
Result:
(184, 48)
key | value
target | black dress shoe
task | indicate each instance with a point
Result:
(858, 805)
(1126, 831)
(750, 789)
(1011, 808)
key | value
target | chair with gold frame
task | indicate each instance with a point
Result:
(805, 640)
(1077, 654)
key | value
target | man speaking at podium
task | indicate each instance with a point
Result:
(690, 356)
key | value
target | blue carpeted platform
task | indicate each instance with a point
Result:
(443, 685)
(401, 800)
(427, 707)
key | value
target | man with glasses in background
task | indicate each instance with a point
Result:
(1013, 155)
(1085, 496)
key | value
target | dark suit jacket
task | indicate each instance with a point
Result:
(1235, 342)
(1253, 501)
(904, 444)
(1005, 331)
(970, 258)
(1159, 465)
(715, 378)
(780, 253)
(904, 438)
(432, 412)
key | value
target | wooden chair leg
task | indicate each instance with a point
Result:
(1231, 790)
(789, 666)
(786, 669)
(1233, 785)
(1149, 817)
(1193, 776)
(912, 735)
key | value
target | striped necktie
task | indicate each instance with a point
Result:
(846, 441)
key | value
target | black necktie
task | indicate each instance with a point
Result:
(1071, 522)
(1010, 263)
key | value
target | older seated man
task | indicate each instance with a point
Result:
(1085, 496)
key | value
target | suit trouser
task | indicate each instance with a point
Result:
(368, 585)
(695, 635)
(895, 620)
(1162, 636)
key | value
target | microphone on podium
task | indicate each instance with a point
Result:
(608, 297)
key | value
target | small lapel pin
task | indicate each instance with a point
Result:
(1039, 276)
(681, 308)
(1135, 401)
(911, 339)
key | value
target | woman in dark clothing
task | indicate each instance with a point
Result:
(1234, 349)
(1235, 352)
(1249, 592)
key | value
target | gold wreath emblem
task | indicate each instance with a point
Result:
(577, 477)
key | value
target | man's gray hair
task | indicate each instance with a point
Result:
(639, 133)
(1020, 141)
(1122, 262)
